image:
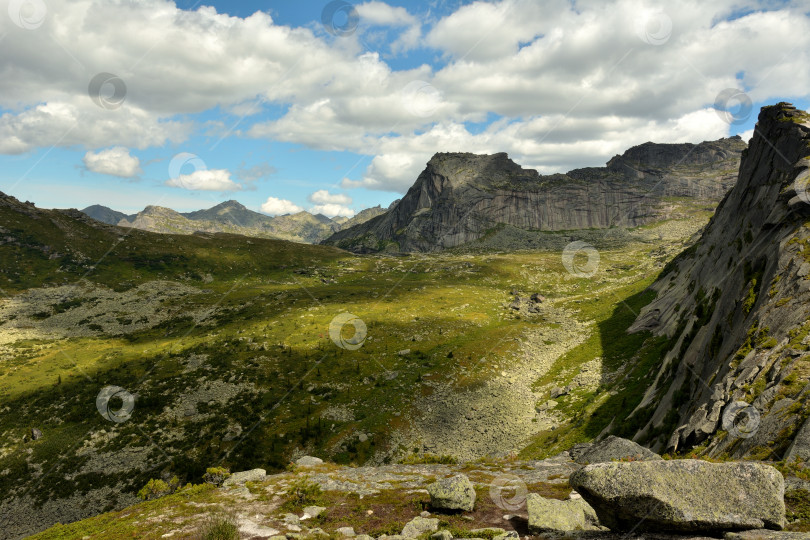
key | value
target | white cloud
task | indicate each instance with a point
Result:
(277, 207)
(332, 210)
(383, 14)
(115, 161)
(322, 196)
(572, 84)
(205, 180)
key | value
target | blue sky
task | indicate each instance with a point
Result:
(282, 108)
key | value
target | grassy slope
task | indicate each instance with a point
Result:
(283, 295)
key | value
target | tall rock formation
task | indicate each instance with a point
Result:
(735, 307)
(459, 197)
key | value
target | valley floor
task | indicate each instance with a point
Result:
(243, 371)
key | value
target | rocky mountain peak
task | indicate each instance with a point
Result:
(460, 197)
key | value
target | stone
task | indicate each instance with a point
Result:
(453, 493)
(419, 526)
(506, 535)
(313, 511)
(766, 535)
(683, 495)
(308, 461)
(404, 352)
(557, 392)
(36, 434)
(537, 298)
(253, 475)
(346, 531)
(559, 516)
(441, 535)
(363, 537)
(578, 449)
(614, 448)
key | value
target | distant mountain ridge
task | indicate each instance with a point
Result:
(461, 197)
(232, 217)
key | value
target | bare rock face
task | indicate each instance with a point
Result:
(459, 197)
(736, 309)
(683, 495)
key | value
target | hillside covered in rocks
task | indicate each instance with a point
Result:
(460, 198)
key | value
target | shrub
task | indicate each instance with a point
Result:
(219, 527)
(154, 489)
(216, 475)
(303, 493)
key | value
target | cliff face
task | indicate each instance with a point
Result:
(459, 197)
(736, 307)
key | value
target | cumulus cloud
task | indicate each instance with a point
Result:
(322, 196)
(277, 207)
(332, 210)
(205, 180)
(569, 84)
(115, 161)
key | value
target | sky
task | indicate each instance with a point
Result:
(333, 107)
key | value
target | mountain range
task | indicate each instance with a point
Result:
(232, 217)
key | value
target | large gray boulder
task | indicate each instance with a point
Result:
(614, 448)
(454, 493)
(419, 526)
(253, 475)
(683, 495)
(547, 515)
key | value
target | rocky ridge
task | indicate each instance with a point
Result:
(232, 217)
(736, 308)
(460, 197)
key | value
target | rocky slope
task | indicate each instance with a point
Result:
(232, 217)
(461, 197)
(735, 307)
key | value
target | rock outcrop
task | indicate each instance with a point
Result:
(460, 197)
(613, 448)
(683, 495)
(736, 310)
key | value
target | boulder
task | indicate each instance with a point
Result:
(614, 448)
(309, 461)
(559, 516)
(346, 531)
(453, 493)
(442, 535)
(578, 449)
(683, 495)
(36, 434)
(766, 535)
(419, 526)
(254, 475)
(313, 511)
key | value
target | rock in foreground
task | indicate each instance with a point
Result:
(615, 448)
(683, 495)
(454, 493)
(564, 516)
